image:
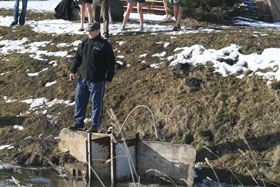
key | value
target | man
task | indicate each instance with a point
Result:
(104, 6)
(97, 61)
(22, 14)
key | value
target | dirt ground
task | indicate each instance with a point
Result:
(233, 122)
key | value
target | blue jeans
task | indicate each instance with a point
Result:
(94, 90)
(23, 12)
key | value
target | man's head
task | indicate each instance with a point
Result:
(93, 29)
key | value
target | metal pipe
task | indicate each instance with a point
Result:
(89, 155)
(139, 106)
(112, 160)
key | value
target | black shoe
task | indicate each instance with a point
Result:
(13, 23)
(177, 28)
(92, 129)
(21, 24)
(76, 126)
(106, 36)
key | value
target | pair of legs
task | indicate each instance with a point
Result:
(94, 90)
(128, 11)
(101, 7)
(83, 7)
(178, 11)
(22, 14)
(110, 15)
(167, 15)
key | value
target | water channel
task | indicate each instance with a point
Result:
(48, 177)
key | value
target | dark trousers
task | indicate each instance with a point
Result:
(23, 12)
(94, 90)
(103, 6)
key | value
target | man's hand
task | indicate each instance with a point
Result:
(72, 76)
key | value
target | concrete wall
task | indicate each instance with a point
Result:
(75, 142)
(153, 159)
(157, 159)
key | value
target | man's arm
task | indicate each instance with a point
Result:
(77, 61)
(110, 63)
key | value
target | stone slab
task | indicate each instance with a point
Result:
(162, 159)
(75, 142)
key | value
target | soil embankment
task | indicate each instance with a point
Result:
(231, 121)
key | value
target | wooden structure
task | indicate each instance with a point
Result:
(256, 9)
(250, 5)
(266, 10)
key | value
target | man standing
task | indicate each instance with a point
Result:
(104, 6)
(97, 61)
(22, 14)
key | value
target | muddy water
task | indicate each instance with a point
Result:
(46, 177)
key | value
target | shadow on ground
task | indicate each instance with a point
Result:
(11, 120)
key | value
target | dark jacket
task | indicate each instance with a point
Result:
(96, 58)
(68, 10)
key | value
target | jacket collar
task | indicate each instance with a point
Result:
(97, 37)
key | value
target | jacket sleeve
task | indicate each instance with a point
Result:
(78, 58)
(110, 63)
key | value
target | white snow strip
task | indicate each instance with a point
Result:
(18, 127)
(2, 147)
(43, 102)
(50, 83)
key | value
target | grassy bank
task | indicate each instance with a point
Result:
(233, 122)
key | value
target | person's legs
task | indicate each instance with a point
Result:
(89, 9)
(110, 15)
(96, 10)
(82, 14)
(167, 15)
(23, 12)
(94, 6)
(16, 8)
(96, 93)
(175, 10)
(179, 15)
(140, 14)
(81, 101)
(127, 13)
(105, 16)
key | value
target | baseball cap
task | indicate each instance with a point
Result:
(93, 26)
